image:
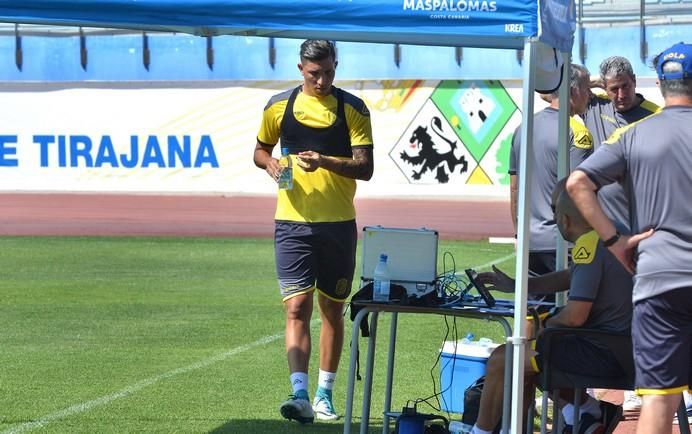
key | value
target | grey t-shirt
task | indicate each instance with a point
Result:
(597, 276)
(602, 120)
(653, 158)
(544, 174)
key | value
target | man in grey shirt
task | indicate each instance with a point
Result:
(543, 178)
(653, 158)
(621, 105)
(599, 298)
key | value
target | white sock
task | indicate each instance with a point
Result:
(299, 381)
(568, 414)
(688, 398)
(476, 430)
(326, 380)
(591, 406)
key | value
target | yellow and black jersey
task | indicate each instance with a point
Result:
(603, 120)
(330, 125)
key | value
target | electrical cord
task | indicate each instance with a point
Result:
(452, 287)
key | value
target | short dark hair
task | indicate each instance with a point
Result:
(316, 50)
(614, 66)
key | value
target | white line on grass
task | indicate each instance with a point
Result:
(129, 390)
(496, 261)
(488, 264)
(134, 388)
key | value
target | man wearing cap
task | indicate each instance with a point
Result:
(620, 105)
(653, 158)
(543, 178)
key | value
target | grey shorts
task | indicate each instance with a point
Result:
(316, 255)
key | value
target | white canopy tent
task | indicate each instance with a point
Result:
(513, 24)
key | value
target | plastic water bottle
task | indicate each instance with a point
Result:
(286, 176)
(380, 290)
(468, 338)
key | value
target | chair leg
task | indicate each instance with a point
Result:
(558, 424)
(529, 419)
(532, 411)
(682, 418)
(544, 413)
(577, 405)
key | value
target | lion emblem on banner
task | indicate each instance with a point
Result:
(429, 158)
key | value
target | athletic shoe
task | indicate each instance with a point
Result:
(611, 415)
(632, 401)
(297, 407)
(323, 408)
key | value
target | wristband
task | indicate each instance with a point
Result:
(612, 240)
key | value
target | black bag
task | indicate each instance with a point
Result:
(472, 403)
(396, 292)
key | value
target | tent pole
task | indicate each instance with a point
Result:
(563, 166)
(518, 340)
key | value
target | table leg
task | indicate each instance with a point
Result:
(348, 413)
(367, 386)
(507, 391)
(390, 374)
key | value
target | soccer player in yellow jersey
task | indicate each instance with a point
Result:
(329, 137)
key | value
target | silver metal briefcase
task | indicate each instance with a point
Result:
(412, 256)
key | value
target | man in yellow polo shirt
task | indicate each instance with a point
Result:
(329, 137)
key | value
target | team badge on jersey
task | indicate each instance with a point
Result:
(582, 137)
(584, 249)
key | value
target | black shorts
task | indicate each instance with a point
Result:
(580, 356)
(321, 255)
(541, 263)
(662, 341)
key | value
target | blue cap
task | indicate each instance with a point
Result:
(680, 53)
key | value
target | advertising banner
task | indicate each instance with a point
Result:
(432, 138)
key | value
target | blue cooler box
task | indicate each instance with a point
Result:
(461, 364)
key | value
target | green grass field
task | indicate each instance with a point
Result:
(163, 335)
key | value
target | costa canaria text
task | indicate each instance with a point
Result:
(450, 5)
